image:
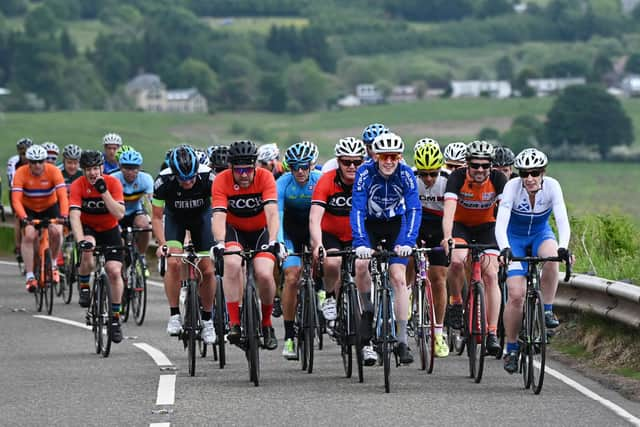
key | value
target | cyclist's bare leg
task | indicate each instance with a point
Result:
(55, 240)
(401, 293)
(332, 273)
(438, 278)
(114, 272)
(263, 270)
(363, 283)
(207, 289)
(456, 272)
(516, 287)
(549, 279)
(233, 279)
(172, 278)
(142, 221)
(290, 292)
(27, 247)
(491, 290)
(86, 258)
(411, 271)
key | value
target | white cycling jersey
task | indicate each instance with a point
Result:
(517, 217)
(432, 198)
(11, 168)
(329, 165)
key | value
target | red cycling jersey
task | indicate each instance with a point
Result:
(94, 213)
(335, 197)
(244, 206)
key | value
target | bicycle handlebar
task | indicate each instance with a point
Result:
(136, 230)
(189, 253)
(41, 223)
(537, 259)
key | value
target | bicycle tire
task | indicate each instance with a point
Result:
(192, 325)
(49, 284)
(250, 306)
(500, 327)
(300, 335)
(429, 329)
(69, 267)
(93, 313)
(310, 323)
(125, 305)
(342, 333)
(476, 340)
(538, 341)
(220, 324)
(65, 287)
(104, 315)
(138, 294)
(385, 332)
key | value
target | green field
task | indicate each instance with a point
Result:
(254, 24)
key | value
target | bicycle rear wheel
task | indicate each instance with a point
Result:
(220, 323)
(104, 315)
(138, 293)
(342, 333)
(310, 323)
(192, 325)
(39, 293)
(49, 284)
(476, 340)
(385, 332)
(125, 305)
(252, 331)
(537, 336)
(428, 328)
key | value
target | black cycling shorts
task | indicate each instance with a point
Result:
(127, 220)
(431, 234)
(175, 228)
(388, 231)
(110, 237)
(256, 240)
(51, 212)
(331, 241)
(484, 234)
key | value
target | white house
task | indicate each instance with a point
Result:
(476, 88)
(630, 85)
(4, 91)
(369, 94)
(406, 93)
(545, 87)
(349, 101)
(150, 94)
(186, 101)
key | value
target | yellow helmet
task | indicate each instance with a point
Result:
(428, 156)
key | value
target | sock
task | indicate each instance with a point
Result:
(206, 315)
(115, 309)
(331, 294)
(492, 329)
(548, 307)
(437, 330)
(455, 299)
(233, 308)
(289, 330)
(512, 346)
(267, 309)
(30, 276)
(174, 310)
(84, 280)
(402, 331)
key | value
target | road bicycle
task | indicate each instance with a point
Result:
(532, 338)
(475, 314)
(348, 319)
(189, 301)
(134, 297)
(43, 263)
(220, 323)
(69, 269)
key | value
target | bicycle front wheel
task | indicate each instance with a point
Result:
(49, 284)
(252, 331)
(537, 336)
(138, 294)
(104, 315)
(428, 329)
(342, 333)
(476, 340)
(39, 293)
(385, 332)
(310, 323)
(220, 322)
(192, 325)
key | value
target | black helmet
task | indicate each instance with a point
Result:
(503, 156)
(90, 158)
(219, 157)
(24, 143)
(184, 162)
(243, 152)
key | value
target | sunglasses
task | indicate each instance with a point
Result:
(187, 180)
(35, 162)
(298, 166)
(243, 170)
(452, 166)
(348, 163)
(484, 166)
(534, 173)
(431, 174)
(385, 157)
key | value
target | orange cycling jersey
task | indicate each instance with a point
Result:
(38, 193)
(335, 197)
(93, 211)
(244, 206)
(476, 201)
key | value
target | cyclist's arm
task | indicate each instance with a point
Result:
(61, 193)
(273, 220)
(315, 221)
(281, 187)
(562, 218)
(114, 199)
(218, 226)
(447, 218)
(76, 225)
(502, 222)
(157, 211)
(413, 215)
(16, 198)
(359, 210)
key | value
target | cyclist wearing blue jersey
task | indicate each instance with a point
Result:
(523, 222)
(385, 205)
(138, 189)
(112, 142)
(295, 189)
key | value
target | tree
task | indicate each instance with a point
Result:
(520, 83)
(67, 47)
(565, 68)
(488, 134)
(13, 7)
(41, 20)
(273, 93)
(196, 73)
(633, 64)
(490, 8)
(601, 66)
(587, 115)
(504, 68)
(306, 86)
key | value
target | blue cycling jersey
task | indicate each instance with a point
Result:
(294, 200)
(380, 198)
(135, 191)
(109, 167)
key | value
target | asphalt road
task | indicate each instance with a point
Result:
(50, 375)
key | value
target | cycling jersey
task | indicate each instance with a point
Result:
(294, 200)
(330, 165)
(190, 203)
(68, 179)
(93, 211)
(335, 197)
(432, 198)
(517, 218)
(38, 193)
(135, 191)
(476, 201)
(109, 167)
(244, 206)
(12, 166)
(385, 199)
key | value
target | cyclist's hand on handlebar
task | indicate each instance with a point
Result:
(566, 255)
(403, 250)
(64, 220)
(505, 256)
(85, 245)
(278, 249)
(364, 252)
(316, 251)
(217, 256)
(445, 245)
(162, 251)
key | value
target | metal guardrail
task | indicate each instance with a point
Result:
(607, 298)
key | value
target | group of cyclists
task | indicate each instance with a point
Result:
(244, 196)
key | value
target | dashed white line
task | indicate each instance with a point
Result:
(159, 424)
(166, 390)
(155, 354)
(65, 321)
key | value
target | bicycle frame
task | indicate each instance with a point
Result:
(43, 263)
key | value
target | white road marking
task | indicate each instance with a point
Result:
(166, 390)
(590, 394)
(156, 355)
(65, 321)
(159, 424)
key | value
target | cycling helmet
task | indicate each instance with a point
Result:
(52, 148)
(503, 156)
(480, 150)
(455, 152)
(300, 152)
(90, 158)
(428, 156)
(131, 157)
(350, 146)
(268, 152)
(202, 156)
(24, 143)
(184, 162)
(424, 141)
(314, 151)
(372, 131)
(388, 143)
(242, 152)
(220, 157)
(531, 158)
(121, 150)
(36, 153)
(112, 139)
(71, 152)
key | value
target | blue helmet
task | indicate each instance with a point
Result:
(131, 157)
(370, 132)
(301, 152)
(184, 162)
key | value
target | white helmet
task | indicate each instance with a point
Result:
(388, 143)
(71, 152)
(268, 152)
(425, 141)
(36, 153)
(531, 158)
(480, 150)
(350, 146)
(455, 152)
(52, 148)
(112, 139)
